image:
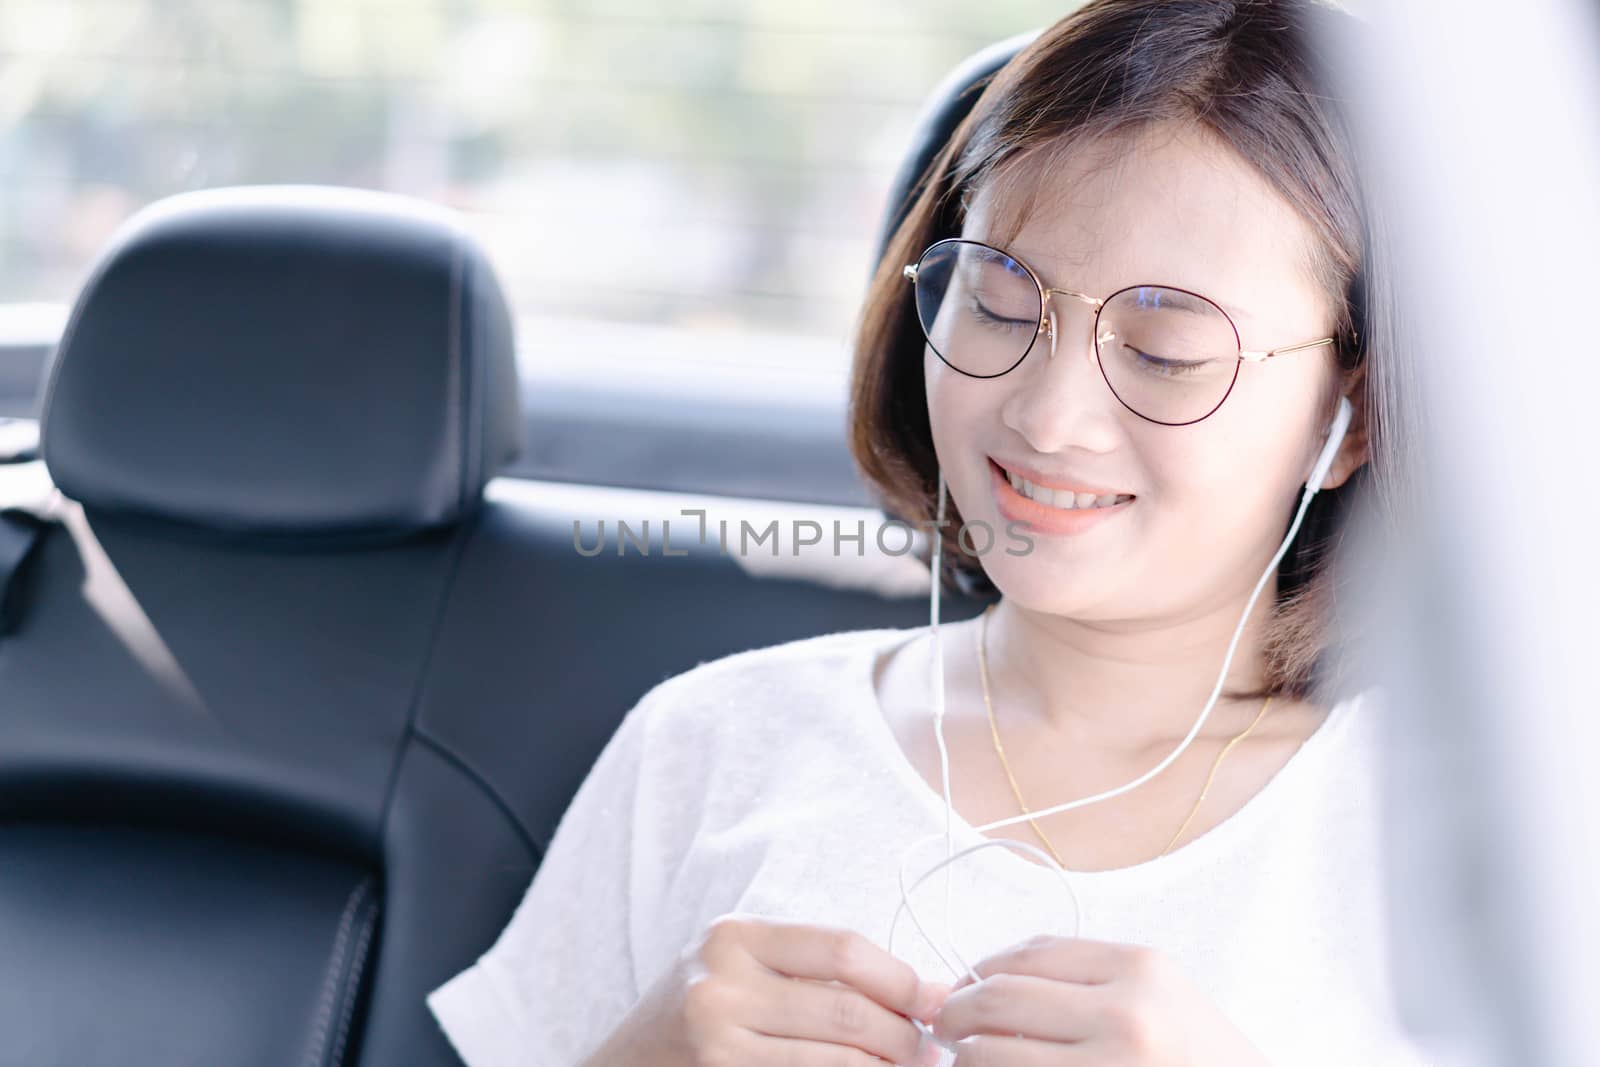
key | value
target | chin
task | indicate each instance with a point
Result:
(1043, 589)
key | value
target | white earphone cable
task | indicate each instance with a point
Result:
(1336, 433)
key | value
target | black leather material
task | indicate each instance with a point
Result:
(420, 713)
(219, 720)
(604, 630)
(20, 531)
(214, 688)
(275, 362)
(145, 946)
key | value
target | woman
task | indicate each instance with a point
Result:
(1147, 200)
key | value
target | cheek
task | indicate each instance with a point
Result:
(957, 406)
(950, 420)
(1213, 488)
(942, 385)
(1223, 500)
(1264, 436)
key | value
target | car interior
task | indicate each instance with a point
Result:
(393, 394)
(299, 681)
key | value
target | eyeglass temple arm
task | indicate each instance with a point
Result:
(1258, 356)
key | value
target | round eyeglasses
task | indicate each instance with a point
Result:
(1170, 356)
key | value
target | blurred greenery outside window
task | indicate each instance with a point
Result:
(700, 181)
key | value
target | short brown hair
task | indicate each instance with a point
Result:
(1248, 72)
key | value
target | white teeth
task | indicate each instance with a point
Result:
(1063, 498)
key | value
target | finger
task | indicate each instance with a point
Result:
(1065, 959)
(992, 1050)
(834, 954)
(828, 1013)
(1039, 1008)
(793, 1052)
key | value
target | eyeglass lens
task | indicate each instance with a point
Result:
(1168, 355)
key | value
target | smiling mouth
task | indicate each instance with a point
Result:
(1061, 499)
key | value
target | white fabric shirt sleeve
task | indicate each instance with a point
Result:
(561, 975)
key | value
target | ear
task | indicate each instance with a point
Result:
(1354, 451)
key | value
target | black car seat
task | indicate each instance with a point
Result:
(292, 694)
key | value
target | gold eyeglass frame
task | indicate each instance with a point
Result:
(1047, 326)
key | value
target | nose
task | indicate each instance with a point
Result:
(1065, 401)
(1053, 329)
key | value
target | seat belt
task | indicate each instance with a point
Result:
(20, 533)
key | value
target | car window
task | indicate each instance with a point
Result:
(700, 184)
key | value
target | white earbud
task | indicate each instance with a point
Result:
(1336, 432)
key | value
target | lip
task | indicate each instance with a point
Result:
(1039, 478)
(1042, 517)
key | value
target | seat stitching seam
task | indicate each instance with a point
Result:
(319, 1043)
(357, 967)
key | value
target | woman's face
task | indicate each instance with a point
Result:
(1211, 500)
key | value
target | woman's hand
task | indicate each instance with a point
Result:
(758, 990)
(1069, 1001)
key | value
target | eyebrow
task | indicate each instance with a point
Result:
(1179, 300)
(1186, 304)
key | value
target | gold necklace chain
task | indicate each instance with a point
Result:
(983, 674)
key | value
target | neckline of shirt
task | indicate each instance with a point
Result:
(1197, 852)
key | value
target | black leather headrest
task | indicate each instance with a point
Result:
(285, 361)
(949, 103)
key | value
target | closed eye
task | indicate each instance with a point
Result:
(1166, 367)
(988, 317)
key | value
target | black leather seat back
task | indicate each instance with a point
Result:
(288, 709)
(287, 718)
(270, 423)
(127, 944)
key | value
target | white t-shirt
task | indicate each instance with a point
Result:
(769, 782)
